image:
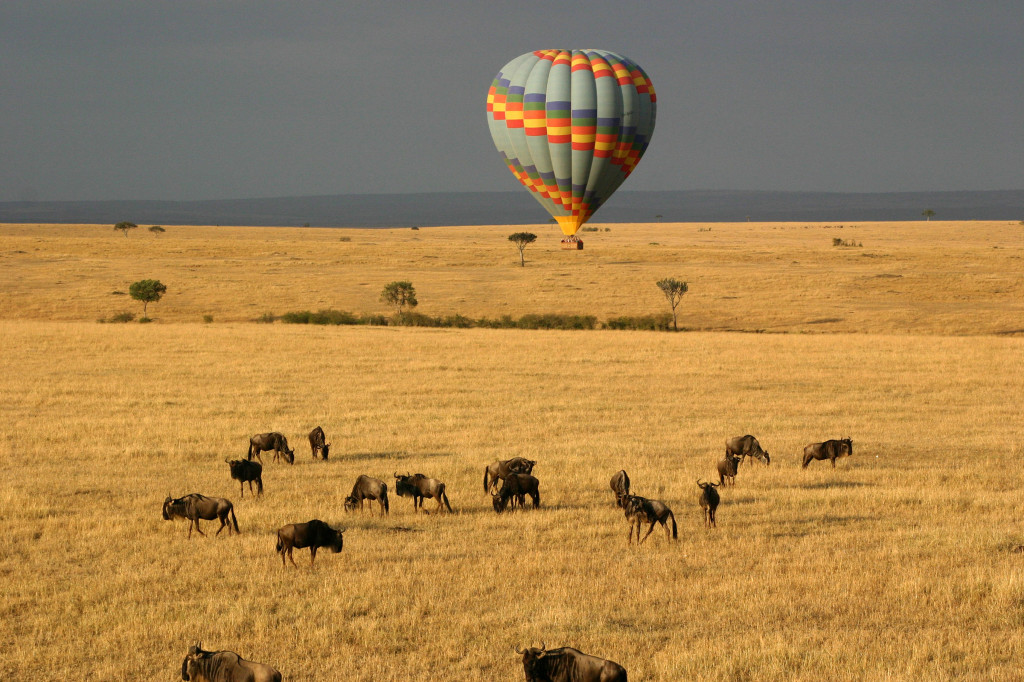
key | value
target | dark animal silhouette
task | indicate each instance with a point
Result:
(499, 470)
(620, 486)
(317, 441)
(370, 489)
(313, 534)
(568, 665)
(830, 449)
(418, 487)
(727, 469)
(746, 446)
(223, 666)
(515, 488)
(195, 507)
(244, 471)
(640, 510)
(265, 442)
(709, 500)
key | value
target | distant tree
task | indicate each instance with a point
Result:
(658, 217)
(522, 239)
(399, 294)
(148, 291)
(124, 226)
(673, 290)
(157, 230)
(928, 213)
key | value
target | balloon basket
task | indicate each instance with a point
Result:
(572, 244)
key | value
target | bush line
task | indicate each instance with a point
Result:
(662, 322)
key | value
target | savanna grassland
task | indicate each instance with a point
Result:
(900, 564)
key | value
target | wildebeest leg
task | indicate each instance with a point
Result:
(648, 531)
(833, 462)
(290, 557)
(312, 555)
(223, 522)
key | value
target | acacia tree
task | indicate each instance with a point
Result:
(148, 291)
(156, 230)
(673, 290)
(399, 294)
(124, 226)
(928, 213)
(522, 239)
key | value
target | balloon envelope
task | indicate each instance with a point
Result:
(571, 125)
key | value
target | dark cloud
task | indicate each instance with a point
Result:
(193, 100)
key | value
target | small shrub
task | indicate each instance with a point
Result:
(344, 239)
(607, 229)
(144, 320)
(590, 229)
(207, 318)
(266, 318)
(836, 241)
(415, 227)
(120, 317)
(118, 293)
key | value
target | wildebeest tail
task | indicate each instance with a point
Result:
(675, 531)
(249, 456)
(279, 545)
(234, 520)
(384, 498)
(486, 471)
(444, 498)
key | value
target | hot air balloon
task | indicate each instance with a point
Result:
(571, 125)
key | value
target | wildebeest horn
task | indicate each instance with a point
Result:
(396, 475)
(515, 647)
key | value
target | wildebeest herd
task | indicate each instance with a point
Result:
(508, 482)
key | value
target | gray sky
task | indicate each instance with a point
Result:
(181, 99)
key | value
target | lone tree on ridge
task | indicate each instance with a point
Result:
(148, 291)
(399, 294)
(928, 213)
(124, 226)
(157, 230)
(673, 290)
(522, 239)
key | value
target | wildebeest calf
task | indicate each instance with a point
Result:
(418, 487)
(317, 441)
(265, 442)
(640, 510)
(727, 469)
(313, 534)
(195, 506)
(369, 489)
(620, 486)
(709, 500)
(515, 488)
(568, 665)
(244, 471)
(830, 449)
(223, 666)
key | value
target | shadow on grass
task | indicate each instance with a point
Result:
(825, 485)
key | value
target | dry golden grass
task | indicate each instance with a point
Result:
(898, 565)
(923, 278)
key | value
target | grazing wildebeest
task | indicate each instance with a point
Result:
(419, 487)
(727, 469)
(313, 534)
(195, 506)
(640, 510)
(318, 442)
(499, 470)
(244, 471)
(830, 449)
(516, 487)
(369, 489)
(265, 442)
(746, 446)
(709, 500)
(568, 665)
(223, 666)
(620, 486)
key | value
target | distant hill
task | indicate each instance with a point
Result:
(518, 208)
